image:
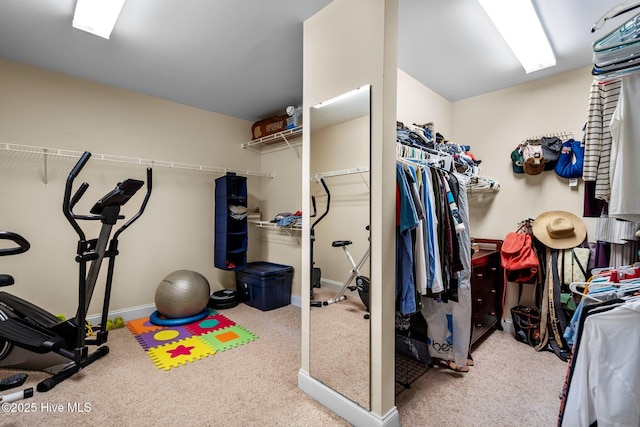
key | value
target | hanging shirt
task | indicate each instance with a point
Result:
(603, 99)
(434, 283)
(605, 385)
(625, 152)
(405, 284)
(419, 247)
(408, 218)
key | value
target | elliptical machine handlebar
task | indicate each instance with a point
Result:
(119, 196)
(142, 207)
(326, 189)
(23, 244)
(68, 202)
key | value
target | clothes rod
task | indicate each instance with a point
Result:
(130, 160)
(351, 171)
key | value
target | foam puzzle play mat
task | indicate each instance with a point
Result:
(172, 346)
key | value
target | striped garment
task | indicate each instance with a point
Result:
(603, 99)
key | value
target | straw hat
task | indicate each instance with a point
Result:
(559, 229)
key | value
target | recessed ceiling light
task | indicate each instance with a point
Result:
(97, 16)
(519, 25)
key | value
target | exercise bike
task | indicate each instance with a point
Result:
(362, 283)
(33, 338)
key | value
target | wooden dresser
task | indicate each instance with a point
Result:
(487, 282)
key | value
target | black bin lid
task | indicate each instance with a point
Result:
(263, 269)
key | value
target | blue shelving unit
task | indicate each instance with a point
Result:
(231, 238)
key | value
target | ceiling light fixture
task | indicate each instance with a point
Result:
(97, 16)
(519, 25)
(339, 97)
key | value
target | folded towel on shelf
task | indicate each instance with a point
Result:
(238, 212)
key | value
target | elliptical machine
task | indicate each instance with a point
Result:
(316, 273)
(31, 337)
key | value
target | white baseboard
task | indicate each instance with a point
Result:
(347, 409)
(296, 300)
(146, 310)
(331, 284)
(126, 314)
(507, 326)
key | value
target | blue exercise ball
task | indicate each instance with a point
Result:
(182, 293)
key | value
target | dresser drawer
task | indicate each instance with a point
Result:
(485, 297)
(484, 274)
(482, 321)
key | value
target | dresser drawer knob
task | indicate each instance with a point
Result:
(479, 275)
(479, 299)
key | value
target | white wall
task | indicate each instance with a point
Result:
(418, 104)
(280, 194)
(493, 124)
(341, 147)
(46, 109)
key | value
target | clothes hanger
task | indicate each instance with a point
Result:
(605, 270)
(414, 162)
(618, 53)
(573, 286)
(614, 75)
(621, 67)
(444, 160)
(619, 40)
(614, 12)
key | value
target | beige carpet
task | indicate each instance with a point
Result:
(510, 384)
(256, 385)
(339, 345)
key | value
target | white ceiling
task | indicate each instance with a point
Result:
(243, 58)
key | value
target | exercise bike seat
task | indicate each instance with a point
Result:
(340, 243)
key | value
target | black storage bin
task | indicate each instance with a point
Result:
(265, 285)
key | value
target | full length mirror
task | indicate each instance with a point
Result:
(339, 320)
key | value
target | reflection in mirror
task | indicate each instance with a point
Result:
(339, 320)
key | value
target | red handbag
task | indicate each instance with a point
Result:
(518, 258)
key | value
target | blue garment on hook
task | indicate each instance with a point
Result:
(565, 167)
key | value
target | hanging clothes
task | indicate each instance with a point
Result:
(449, 322)
(624, 202)
(428, 252)
(603, 100)
(434, 275)
(407, 219)
(603, 379)
(433, 243)
(612, 135)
